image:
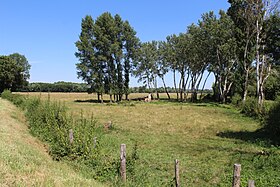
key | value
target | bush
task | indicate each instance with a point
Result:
(17, 100)
(250, 108)
(236, 100)
(272, 123)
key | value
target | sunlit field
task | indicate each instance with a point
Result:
(206, 138)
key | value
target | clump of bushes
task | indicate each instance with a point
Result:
(51, 123)
(272, 122)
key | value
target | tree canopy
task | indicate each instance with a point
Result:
(106, 50)
(14, 72)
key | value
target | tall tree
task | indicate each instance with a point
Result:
(14, 72)
(131, 45)
(243, 14)
(146, 67)
(264, 55)
(22, 74)
(221, 51)
(106, 49)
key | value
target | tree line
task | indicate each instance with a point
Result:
(239, 47)
(60, 86)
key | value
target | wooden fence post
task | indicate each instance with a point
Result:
(251, 183)
(71, 137)
(236, 175)
(177, 171)
(123, 162)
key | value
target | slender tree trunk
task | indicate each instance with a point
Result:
(120, 97)
(246, 70)
(221, 95)
(166, 91)
(126, 96)
(258, 63)
(194, 95)
(175, 86)
(246, 85)
(180, 88)
(185, 86)
(111, 98)
(98, 97)
(204, 85)
(189, 88)
(101, 97)
(182, 85)
(215, 88)
(199, 81)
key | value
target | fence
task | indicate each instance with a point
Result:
(236, 169)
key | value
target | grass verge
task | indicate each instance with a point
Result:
(24, 160)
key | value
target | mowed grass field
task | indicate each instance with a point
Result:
(207, 139)
(24, 160)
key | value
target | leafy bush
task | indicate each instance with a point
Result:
(236, 100)
(250, 108)
(272, 123)
(18, 100)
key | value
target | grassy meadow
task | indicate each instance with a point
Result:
(206, 138)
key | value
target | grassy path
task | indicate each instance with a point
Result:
(24, 160)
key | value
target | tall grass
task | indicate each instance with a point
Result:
(51, 122)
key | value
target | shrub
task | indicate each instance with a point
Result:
(250, 108)
(272, 123)
(17, 100)
(236, 100)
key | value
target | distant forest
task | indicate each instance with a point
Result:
(62, 86)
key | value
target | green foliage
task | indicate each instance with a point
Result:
(18, 100)
(14, 72)
(106, 49)
(55, 87)
(236, 100)
(250, 107)
(272, 122)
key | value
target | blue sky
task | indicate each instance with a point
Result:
(45, 31)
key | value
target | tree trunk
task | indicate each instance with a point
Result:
(185, 86)
(98, 97)
(164, 85)
(199, 81)
(111, 98)
(174, 78)
(101, 97)
(258, 63)
(180, 88)
(126, 96)
(204, 85)
(120, 97)
(246, 69)
(245, 85)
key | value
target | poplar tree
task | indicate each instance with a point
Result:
(106, 49)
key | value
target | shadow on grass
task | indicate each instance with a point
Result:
(91, 101)
(258, 136)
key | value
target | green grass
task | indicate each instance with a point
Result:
(207, 139)
(24, 160)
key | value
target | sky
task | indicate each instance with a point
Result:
(46, 31)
